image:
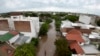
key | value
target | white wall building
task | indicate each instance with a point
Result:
(85, 19)
(33, 21)
(29, 26)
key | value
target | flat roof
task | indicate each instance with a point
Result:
(90, 49)
(21, 40)
(6, 37)
(94, 35)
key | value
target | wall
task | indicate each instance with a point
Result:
(3, 32)
(34, 24)
(84, 19)
(12, 40)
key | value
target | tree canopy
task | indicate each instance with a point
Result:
(98, 22)
(32, 14)
(44, 29)
(25, 50)
(72, 18)
(62, 47)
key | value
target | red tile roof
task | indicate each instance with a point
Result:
(7, 50)
(76, 46)
(74, 35)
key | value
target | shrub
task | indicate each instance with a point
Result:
(72, 18)
(57, 24)
(48, 20)
(35, 41)
(98, 22)
(30, 14)
(25, 50)
(99, 47)
(62, 47)
(44, 29)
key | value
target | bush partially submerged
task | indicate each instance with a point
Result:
(35, 41)
(98, 22)
(44, 29)
(62, 47)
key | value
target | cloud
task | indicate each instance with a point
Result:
(14, 4)
(88, 6)
(93, 7)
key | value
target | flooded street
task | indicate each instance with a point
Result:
(47, 47)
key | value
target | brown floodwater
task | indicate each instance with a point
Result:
(46, 45)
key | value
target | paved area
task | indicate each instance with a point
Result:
(47, 48)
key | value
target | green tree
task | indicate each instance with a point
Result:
(35, 41)
(61, 14)
(48, 20)
(32, 14)
(98, 22)
(72, 18)
(57, 25)
(25, 50)
(5, 15)
(99, 47)
(45, 14)
(62, 47)
(57, 19)
(44, 29)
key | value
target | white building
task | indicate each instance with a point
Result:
(28, 26)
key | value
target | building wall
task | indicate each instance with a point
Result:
(3, 32)
(85, 19)
(4, 25)
(12, 40)
(29, 26)
(22, 26)
(93, 20)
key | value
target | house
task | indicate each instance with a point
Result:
(74, 38)
(78, 37)
(79, 44)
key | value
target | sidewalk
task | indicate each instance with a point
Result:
(48, 48)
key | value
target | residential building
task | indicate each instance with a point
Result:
(78, 36)
(28, 27)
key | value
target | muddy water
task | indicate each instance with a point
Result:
(47, 47)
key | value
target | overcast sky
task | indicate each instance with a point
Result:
(84, 6)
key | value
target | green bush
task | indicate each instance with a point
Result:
(32, 14)
(72, 18)
(61, 14)
(48, 21)
(35, 41)
(98, 22)
(5, 15)
(57, 25)
(99, 47)
(62, 47)
(57, 19)
(45, 14)
(25, 50)
(44, 29)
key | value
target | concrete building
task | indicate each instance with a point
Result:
(28, 26)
